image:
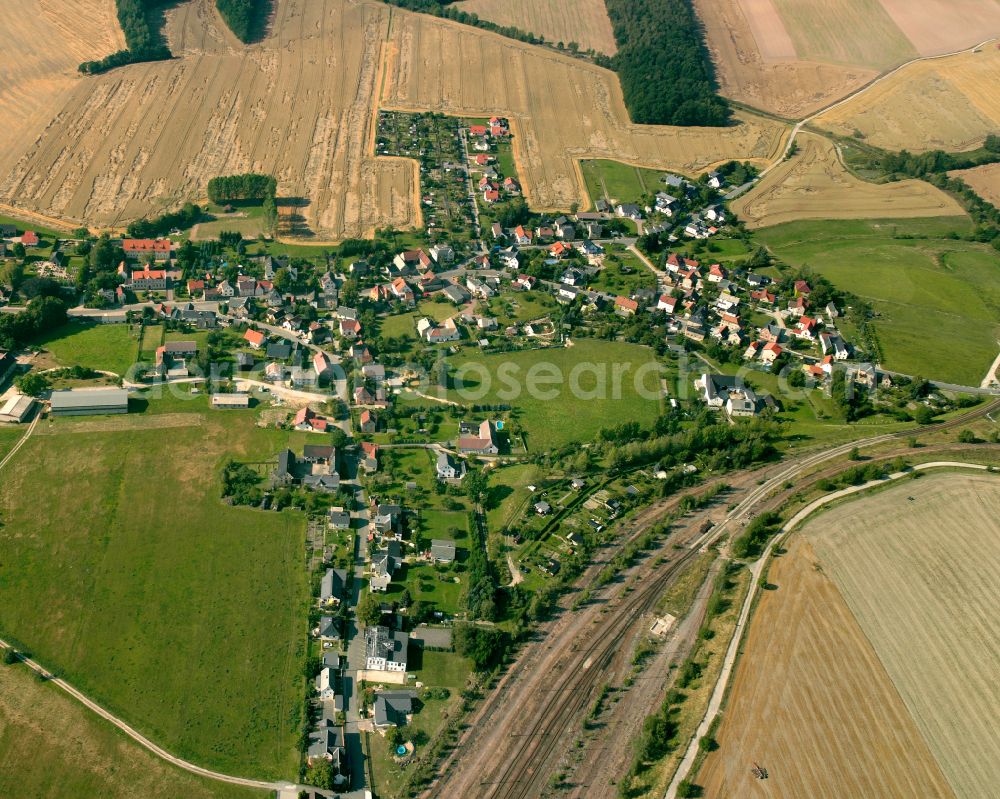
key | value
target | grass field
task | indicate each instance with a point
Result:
(509, 492)
(811, 702)
(511, 309)
(546, 421)
(182, 615)
(51, 747)
(813, 184)
(618, 182)
(582, 21)
(9, 435)
(109, 347)
(936, 298)
(921, 584)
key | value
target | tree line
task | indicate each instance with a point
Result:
(142, 37)
(248, 186)
(663, 64)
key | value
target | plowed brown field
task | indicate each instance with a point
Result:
(582, 21)
(812, 704)
(813, 184)
(300, 105)
(918, 565)
(562, 109)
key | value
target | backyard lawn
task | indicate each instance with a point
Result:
(937, 298)
(108, 347)
(138, 584)
(577, 390)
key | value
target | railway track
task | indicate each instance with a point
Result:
(522, 769)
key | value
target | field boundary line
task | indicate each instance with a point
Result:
(756, 570)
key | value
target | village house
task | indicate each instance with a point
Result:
(385, 649)
(479, 441)
(449, 467)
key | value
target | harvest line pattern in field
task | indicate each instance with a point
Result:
(298, 106)
(811, 696)
(921, 584)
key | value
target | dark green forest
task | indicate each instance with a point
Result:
(664, 66)
(245, 18)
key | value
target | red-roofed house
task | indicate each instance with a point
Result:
(478, 130)
(770, 353)
(666, 303)
(350, 328)
(806, 328)
(716, 274)
(802, 288)
(148, 280)
(522, 236)
(29, 238)
(254, 338)
(321, 364)
(626, 306)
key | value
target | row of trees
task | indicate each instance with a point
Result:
(663, 63)
(142, 37)
(248, 186)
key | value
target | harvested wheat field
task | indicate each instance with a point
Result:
(983, 180)
(922, 583)
(561, 109)
(812, 704)
(300, 105)
(582, 21)
(813, 184)
(44, 41)
(794, 57)
(950, 103)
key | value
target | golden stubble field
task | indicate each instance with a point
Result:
(43, 43)
(794, 57)
(812, 704)
(950, 103)
(920, 575)
(984, 180)
(582, 21)
(562, 109)
(813, 184)
(299, 105)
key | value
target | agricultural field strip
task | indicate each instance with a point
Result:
(814, 184)
(757, 569)
(809, 695)
(911, 584)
